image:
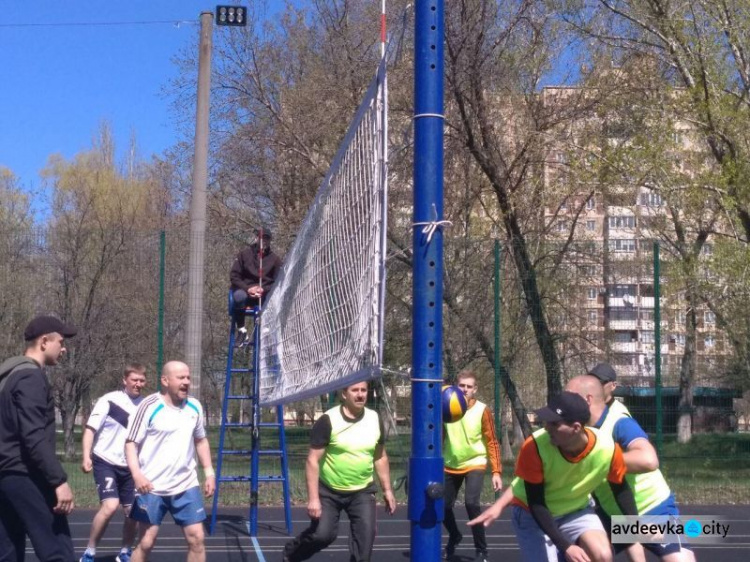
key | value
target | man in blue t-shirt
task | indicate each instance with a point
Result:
(652, 493)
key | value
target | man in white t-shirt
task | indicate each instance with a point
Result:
(164, 438)
(104, 452)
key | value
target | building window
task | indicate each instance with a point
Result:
(619, 291)
(592, 293)
(622, 222)
(646, 315)
(623, 314)
(647, 336)
(681, 318)
(710, 342)
(590, 225)
(708, 249)
(625, 246)
(561, 226)
(591, 203)
(709, 318)
(592, 317)
(679, 339)
(651, 199)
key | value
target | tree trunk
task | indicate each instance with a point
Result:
(518, 432)
(687, 371)
(533, 299)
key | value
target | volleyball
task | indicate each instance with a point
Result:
(454, 404)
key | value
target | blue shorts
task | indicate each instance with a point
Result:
(186, 508)
(113, 482)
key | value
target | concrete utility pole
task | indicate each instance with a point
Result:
(194, 319)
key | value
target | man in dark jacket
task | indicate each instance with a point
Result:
(34, 493)
(252, 277)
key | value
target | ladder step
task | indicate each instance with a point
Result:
(278, 478)
(237, 452)
(271, 452)
(269, 424)
(238, 424)
(273, 478)
(241, 370)
(239, 397)
(234, 479)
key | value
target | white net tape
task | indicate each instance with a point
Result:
(322, 327)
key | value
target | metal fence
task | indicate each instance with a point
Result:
(598, 300)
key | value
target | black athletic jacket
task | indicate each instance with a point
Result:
(246, 269)
(27, 425)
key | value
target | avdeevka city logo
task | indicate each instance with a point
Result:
(693, 528)
(669, 529)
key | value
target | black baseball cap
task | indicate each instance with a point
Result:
(568, 407)
(604, 372)
(42, 325)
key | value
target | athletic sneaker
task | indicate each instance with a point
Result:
(450, 548)
(87, 558)
(243, 337)
(481, 557)
(124, 556)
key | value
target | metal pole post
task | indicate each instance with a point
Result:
(657, 348)
(426, 461)
(160, 332)
(498, 367)
(194, 320)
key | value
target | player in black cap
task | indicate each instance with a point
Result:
(557, 469)
(34, 491)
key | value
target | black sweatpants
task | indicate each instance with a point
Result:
(472, 494)
(26, 509)
(359, 506)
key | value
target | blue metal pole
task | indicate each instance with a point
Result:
(426, 461)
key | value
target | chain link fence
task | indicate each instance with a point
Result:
(597, 302)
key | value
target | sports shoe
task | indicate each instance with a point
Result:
(86, 558)
(124, 556)
(243, 337)
(450, 548)
(481, 557)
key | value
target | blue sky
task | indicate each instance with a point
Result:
(59, 79)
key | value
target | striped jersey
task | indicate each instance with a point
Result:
(166, 436)
(109, 419)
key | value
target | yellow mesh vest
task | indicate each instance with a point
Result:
(347, 463)
(464, 446)
(649, 488)
(567, 485)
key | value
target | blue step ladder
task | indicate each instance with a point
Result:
(249, 432)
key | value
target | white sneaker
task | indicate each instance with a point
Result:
(243, 337)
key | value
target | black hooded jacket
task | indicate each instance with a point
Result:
(246, 269)
(27, 423)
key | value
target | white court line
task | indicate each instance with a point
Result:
(258, 550)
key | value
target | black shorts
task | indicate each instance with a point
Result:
(113, 482)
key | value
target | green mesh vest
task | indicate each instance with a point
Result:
(649, 488)
(464, 447)
(347, 463)
(567, 484)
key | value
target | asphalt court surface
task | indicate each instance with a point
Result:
(231, 542)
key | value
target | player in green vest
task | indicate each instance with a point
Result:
(468, 445)
(650, 489)
(347, 449)
(557, 469)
